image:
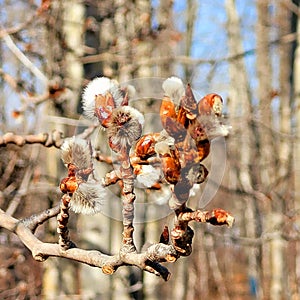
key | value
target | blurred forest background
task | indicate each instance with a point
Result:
(247, 51)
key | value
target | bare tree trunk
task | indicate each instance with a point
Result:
(164, 48)
(64, 26)
(268, 168)
(191, 13)
(240, 100)
(264, 75)
(296, 162)
(107, 35)
(124, 24)
(285, 51)
(73, 23)
(215, 270)
(143, 48)
(277, 265)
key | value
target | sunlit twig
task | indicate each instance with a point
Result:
(23, 58)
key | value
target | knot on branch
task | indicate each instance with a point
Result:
(40, 257)
(108, 269)
(161, 252)
(182, 238)
(38, 254)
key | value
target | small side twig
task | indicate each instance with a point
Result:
(35, 220)
(157, 269)
(110, 178)
(17, 28)
(62, 222)
(215, 217)
(103, 158)
(23, 189)
(22, 57)
(87, 132)
(182, 234)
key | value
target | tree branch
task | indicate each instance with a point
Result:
(55, 138)
(148, 260)
(62, 223)
(35, 220)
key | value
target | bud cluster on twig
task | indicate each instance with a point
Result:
(172, 157)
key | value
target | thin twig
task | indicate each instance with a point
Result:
(13, 157)
(9, 79)
(28, 100)
(182, 235)
(13, 205)
(103, 158)
(18, 27)
(23, 58)
(35, 220)
(70, 121)
(87, 132)
(22, 191)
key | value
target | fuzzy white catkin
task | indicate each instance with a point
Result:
(174, 88)
(149, 176)
(127, 133)
(134, 113)
(98, 86)
(88, 198)
(212, 126)
(76, 151)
